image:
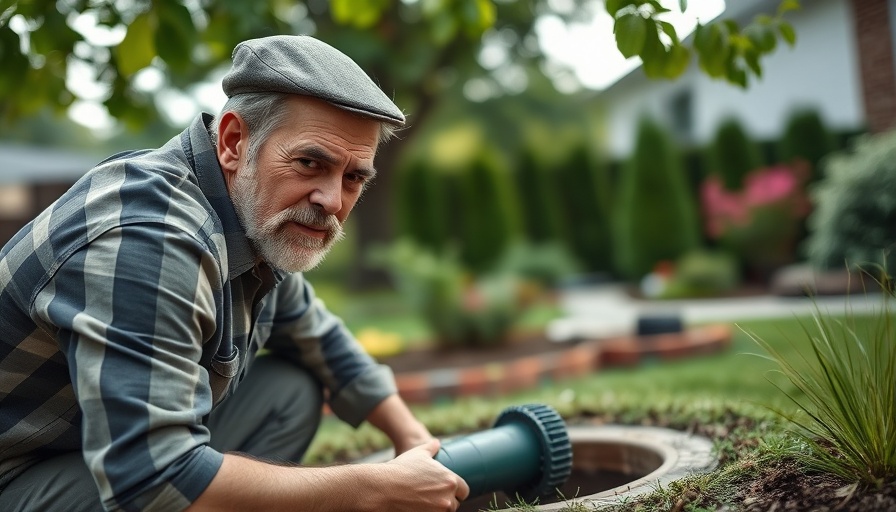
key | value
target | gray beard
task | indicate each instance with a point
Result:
(282, 249)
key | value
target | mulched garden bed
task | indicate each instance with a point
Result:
(780, 487)
(785, 487)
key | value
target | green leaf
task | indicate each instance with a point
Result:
(752, 60)
(683, 5)
(713, 49)
(669, 29)
(14, 64)
(764, 19)
(176, 34)
(358, 13)
(736, 74)
(443, 28)
(762, 37)
(613, 6)
(478, 16)
(731, 25)
(677, 61)
(657, 7)
(654, 56)
(137, 49)
(631, 30)
(787, 32)
(788, 5)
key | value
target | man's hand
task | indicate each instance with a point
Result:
(432, 486)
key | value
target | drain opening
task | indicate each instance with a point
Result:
(597, 467)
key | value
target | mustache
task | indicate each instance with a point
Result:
(313, 218)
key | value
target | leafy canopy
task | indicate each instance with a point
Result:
(414, 47)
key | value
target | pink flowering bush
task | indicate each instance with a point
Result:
(761, 222)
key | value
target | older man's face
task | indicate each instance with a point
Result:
(307, 177)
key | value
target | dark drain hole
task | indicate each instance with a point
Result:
(582, 482)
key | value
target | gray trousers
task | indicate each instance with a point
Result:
(273, 415)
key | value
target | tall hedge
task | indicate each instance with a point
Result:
(422, 206)
(656, 218)
(583, 184)
(488, 213)
(538, 199)
(805, 137)
(732, 154)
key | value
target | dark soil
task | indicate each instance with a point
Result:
(785, 487)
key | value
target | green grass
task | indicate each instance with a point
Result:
(846, 387)
(732, 397)
(703, 390)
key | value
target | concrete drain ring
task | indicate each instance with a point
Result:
(648, 457)
(612, 463)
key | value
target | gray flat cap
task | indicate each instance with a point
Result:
(305, 65)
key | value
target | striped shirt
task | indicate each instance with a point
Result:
(131, 307)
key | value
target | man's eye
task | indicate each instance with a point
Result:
(355, 178)
(307, 162)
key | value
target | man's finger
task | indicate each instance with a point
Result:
(463, 490)
(432, 446)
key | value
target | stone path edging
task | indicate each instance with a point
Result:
(577, 360)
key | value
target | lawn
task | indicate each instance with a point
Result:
(676, 393)
(726, 397)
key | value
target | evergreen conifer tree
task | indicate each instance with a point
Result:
(656, 217)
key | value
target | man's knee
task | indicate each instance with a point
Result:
(274, 413)
(297, 392)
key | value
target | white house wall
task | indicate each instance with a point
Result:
(821, 71)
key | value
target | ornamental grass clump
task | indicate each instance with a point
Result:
(847, 394)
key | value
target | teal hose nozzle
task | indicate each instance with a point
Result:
(526, 454)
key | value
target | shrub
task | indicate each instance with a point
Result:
(761, 223)
(489, 217)
(545, 264)
(854, 221)
(702, 273)
(460, 309)
(732, 154)
(656, 219)
(805, 138)
(845, 387)
(584, 186)
(538, 198)
(422, 208)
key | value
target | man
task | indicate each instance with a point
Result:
(155, 318)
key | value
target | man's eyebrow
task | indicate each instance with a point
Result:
(319, 153)
(316, 152)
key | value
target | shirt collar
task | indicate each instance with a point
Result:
(197, 144)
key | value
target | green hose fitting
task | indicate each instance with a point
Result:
(526, 454)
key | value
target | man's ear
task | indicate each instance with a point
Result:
(232, 144)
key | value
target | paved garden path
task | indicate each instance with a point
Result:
(607, 310)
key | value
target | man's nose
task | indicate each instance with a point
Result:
(328, 196)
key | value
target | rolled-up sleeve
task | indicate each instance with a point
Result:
(133, 308)
(305, 331)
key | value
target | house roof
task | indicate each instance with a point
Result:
(21, 164)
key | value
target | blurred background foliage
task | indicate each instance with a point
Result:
(427, 54)
(498, 173)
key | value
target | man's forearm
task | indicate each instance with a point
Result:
(393, 417)
(412, 482)
(247, 484)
